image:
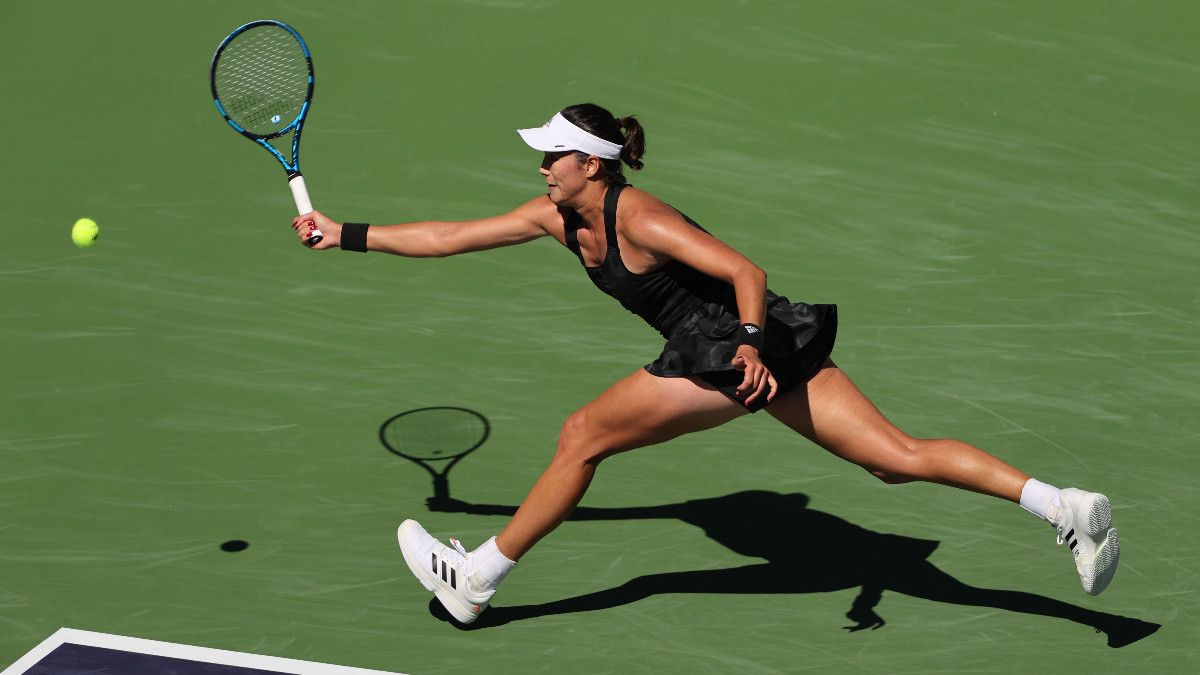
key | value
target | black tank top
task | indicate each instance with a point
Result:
(669, 298)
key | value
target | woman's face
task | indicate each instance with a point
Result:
(566, 176)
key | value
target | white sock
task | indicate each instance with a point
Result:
(490, 563)
(1038, 497)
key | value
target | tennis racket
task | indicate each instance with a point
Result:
(262, 84)
(440, 433)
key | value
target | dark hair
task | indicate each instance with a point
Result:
(624, 131)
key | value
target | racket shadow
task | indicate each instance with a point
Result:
(805, 551)
(435, 438)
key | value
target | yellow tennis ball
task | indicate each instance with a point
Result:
(84, 232)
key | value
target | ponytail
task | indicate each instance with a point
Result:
(625, 131)
(635, 142)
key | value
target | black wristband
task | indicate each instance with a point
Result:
(750, 334)
(354, 237)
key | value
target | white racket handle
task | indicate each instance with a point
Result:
(300, 194)
(304, 205)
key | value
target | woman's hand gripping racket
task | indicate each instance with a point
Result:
(262, 83)
(441, 433)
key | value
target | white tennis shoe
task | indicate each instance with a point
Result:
(1084, 524)
(447, 572)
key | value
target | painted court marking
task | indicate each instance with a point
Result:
(73, 651)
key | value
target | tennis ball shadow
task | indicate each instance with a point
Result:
(805, 551)
(235, 545)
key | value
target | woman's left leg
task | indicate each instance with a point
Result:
(833, 413)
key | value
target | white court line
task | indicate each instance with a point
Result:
(178, 651)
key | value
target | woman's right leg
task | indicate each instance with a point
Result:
(637, 411)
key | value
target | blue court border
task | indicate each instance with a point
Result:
(120, 654)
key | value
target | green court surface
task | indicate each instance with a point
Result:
(1000, 197)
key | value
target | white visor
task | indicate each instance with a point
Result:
(559, 135)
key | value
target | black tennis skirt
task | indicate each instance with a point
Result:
(798, 339)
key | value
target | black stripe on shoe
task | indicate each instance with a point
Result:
(453, 579)
(1074, 543)
(434, 562)
(443, 570)
(1070, 534)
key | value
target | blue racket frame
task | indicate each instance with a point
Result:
(293, 167)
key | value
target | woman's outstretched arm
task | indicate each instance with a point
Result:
(436, 238)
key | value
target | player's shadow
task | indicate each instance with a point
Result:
(806, 551)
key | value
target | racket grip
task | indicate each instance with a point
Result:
(304, 205)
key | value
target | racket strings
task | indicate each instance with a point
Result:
(262, 79)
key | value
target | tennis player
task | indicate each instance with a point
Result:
(732, 348)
